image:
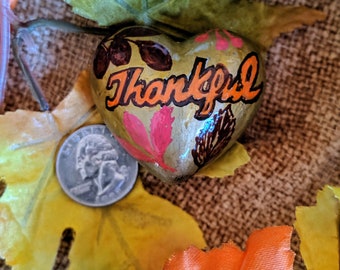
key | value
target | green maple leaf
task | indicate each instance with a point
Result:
(256, 21)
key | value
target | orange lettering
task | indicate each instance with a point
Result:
(248, 74)
(203, 87)
(213, 91)
(134, 87)
(242, 87)
(175, 91)
(152, 92)
(120, 79)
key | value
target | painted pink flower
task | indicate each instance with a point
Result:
(235, 41)
(221, 43)
(149, 148)
(222, 39)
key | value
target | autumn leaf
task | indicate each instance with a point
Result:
(318, 229)
(14, 245)
(34, 210)
(257, 21)
(266, 249)
(226, 164)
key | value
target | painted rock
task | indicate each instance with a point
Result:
(176, 106)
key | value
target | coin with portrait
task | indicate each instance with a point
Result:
(93, 169)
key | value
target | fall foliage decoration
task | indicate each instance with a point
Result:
(257, 21)
(318, 229)
(34, 210)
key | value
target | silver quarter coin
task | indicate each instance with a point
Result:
(93, 169)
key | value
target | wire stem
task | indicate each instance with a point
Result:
(22, 28)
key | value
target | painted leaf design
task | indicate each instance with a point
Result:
(235, 41)
(135, 152)
(155, 55)
(221, 43)
(223, 37)
(318, 229)
(154, 147)
(266, 249)
(101, 61)
(34, 210)
(202, 37)
(257, 21)
(120, 51)
(161, 129)
(214, 136)
(137, 131)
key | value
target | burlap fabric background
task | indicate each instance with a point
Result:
(293, 143)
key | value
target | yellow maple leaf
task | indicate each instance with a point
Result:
(138, 232)
(318, 229)
(12, 240)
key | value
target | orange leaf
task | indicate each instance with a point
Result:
(267, 249)
(228, 257)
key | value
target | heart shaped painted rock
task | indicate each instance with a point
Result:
(176, 106)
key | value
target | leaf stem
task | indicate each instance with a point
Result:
(63, 26)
